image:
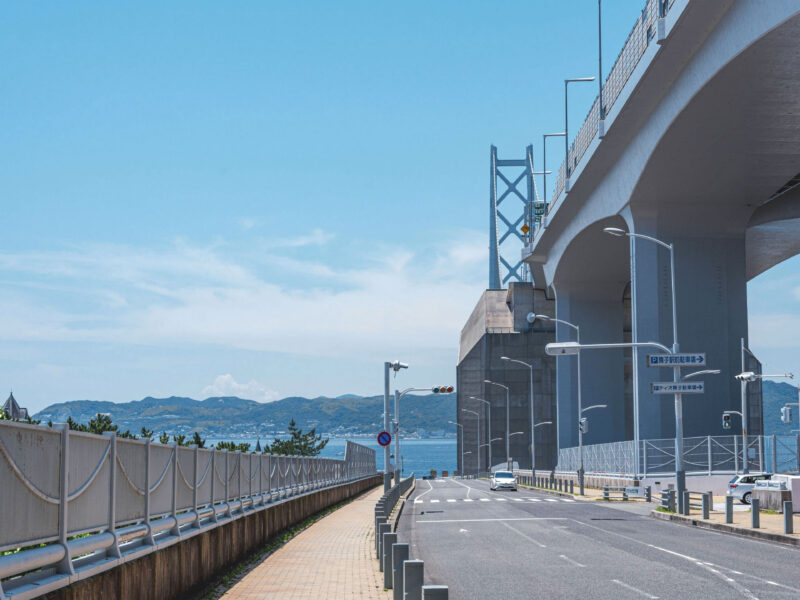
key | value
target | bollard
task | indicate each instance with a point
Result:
(706, 505)
(382, 528)
(413, 574)
(434, 592)
(687, 510)
(648, 494)
(605, 492)
(787, 517)
(571, 486)
(755, 514)
(672, 501)
(378, 522)
(729, 509)
(399, 555)
(386, 558)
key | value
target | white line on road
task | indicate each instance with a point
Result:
(493, 520)
(451, 499)
(633, 589)
(569, 560)
(434, 501)
(430, 489)
(535, 499)
(468, 500)
(519, 500)
(502, 499)
(551, 500)
(527, 537)
(485, 500)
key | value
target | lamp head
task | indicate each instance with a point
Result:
(747, 376)
(615, 231)
(562, 349)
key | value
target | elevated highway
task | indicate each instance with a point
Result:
(700, 147)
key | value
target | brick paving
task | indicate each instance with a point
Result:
(334, 558)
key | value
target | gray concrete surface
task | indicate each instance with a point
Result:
(485, 544)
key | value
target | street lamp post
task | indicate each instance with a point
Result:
(508, 417)
(488, 425)
(477, 432)
(396, 433)
(531, 318)
(530, 367)
(566, 123)
(462, 443)
(387, 367)
(544, 160)
(746, 377)
(680, 478)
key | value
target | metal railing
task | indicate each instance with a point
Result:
(706, 454)
(640, 37)
(57, 486)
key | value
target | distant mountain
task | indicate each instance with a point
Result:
(776, 395)
(236, 417)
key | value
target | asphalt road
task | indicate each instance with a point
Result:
(524, 544)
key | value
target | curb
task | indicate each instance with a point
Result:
(395, 516)
(726, 528)
(552, 492)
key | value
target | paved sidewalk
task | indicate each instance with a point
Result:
(334, 558)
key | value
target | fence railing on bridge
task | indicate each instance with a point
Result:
(706, 454)
(67, 494)
(641, 36)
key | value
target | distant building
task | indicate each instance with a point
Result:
(13, 410)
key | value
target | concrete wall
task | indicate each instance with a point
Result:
(184, 569)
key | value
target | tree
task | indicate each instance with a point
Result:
(163, 438)
(233, 447)
(180, 440)
(299, 443)
(147, 434)
(198, 441)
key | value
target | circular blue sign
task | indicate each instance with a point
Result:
(384, 438)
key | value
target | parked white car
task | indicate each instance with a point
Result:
(503, 480)
(741, 486)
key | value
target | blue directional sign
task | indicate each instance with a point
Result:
(677, 387)
(384, 438)
(695, 359)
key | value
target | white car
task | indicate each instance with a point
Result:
(741, 486)
(503, 480)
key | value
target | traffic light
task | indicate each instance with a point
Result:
(442, 389)
(786, 414)
(583, 425)
(726, 421)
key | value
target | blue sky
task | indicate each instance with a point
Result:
(270, 199)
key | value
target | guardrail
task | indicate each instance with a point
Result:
(641, 36)
(73, 500)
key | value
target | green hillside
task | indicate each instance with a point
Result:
(232, 416)
(775, 396)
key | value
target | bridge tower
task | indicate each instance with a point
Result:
(518, 220)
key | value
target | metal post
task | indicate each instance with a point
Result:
(755, 514)
(533, 427)
(708, 445)
(194, 486)
(706, 505)
(745, 420)
(788, 525)
(382, 528)
(508, 429)
(774, 454)
(648, 494)
(65, 565)
(729, 509)
(386, 558)
(413, 573)
(434, 592)
(685, 508)
(635, 361)
(213, 477)
(566, 137)
(387, 478)
(735, 454)
(113, 550)
(176, 529)
(399, 555)
(581, 470)
(396, 434)
(601, 112)
(380, 519)
(148, 540)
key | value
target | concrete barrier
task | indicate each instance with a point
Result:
(188, 566)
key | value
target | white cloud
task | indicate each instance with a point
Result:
(316, 237)
(226, 385)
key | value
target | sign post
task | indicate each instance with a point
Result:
(677, 387)
(694, 359)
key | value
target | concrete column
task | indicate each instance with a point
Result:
(413, 577)
(597, 308)
(399, 556)
(386, 558)
(434, 592)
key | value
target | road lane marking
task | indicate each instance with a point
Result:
(451, 500)
(569, 560)
(633, 589)
(468, 500)
(434, 501)
(418, 501)
(519, 500)
(430, 489)
(499, 520)
(469, 488)
(502, 499)
(567, 500)
(535, 499)
(527, 537)
(485, 500)
(550, 500)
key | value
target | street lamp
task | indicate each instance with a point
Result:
(571, 348)
(462, 443)
(488, 424)
(508, 418)
(531, 318)
(566, 124)
(747, 377)
(530, 367)
(477, 432)
(397, 397)
(387, 367)
(676, 370)
(544, 160)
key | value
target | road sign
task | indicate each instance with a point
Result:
(525, 229)
(384, 438)
(677, 387)
(695, 359)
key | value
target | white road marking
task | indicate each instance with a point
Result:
(633, 589)
(434, 501)
(468, 500)
(551, 500)
(451, 500)
(519, 500)
(485, 500)
(535, 499)
(567, 500)
(527, 537)
(569, 560)
(469, 489)
(502, 499)
(493, 520)
(429, 490)
(418, 501)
